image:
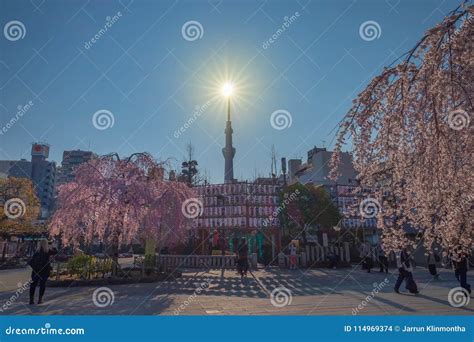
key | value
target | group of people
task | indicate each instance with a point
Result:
(367, 256)
(405, 265)
(41, 267)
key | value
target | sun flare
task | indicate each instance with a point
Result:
(227, 89)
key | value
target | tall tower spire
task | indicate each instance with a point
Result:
(228, 151)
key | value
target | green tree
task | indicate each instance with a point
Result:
(304, 210)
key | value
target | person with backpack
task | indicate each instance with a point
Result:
(405, 270)
(41, 269)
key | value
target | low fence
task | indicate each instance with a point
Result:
(310, 255)
(316, 254)
(201, 261)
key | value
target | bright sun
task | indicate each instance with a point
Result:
(227, 89)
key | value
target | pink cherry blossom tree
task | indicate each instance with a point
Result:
(113, 201)
(412, 139)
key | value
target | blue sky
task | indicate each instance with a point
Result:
(144, 72)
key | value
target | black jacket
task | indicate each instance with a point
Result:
(40, 263)
(461, 265)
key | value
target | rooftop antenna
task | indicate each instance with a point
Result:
(283, 170)
(274, 170)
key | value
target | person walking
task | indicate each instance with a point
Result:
(383, 260)
(405, 270)
(432, 259)
(242, 258)
(292, 249)
(41, 269)
(366, 255)
(460, 272)
(332, 258)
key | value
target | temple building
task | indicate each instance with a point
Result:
(232, 211)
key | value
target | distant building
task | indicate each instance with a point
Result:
(16, 168)
(232, 211)
(317, 168)
(71, 160)
(342, 191)
(43, 175)
(293, 166)
(348, 201)
(40, 171)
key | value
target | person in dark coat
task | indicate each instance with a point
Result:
(366, 255)
(433, 258)
(242, 258)
(41, 269)
(332, 258)
(383, 260)
(460, 272)
(405, 270)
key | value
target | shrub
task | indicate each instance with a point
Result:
(84, 266)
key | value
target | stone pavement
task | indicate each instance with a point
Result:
(218, 292)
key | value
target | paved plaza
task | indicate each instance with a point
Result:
(221, 292)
